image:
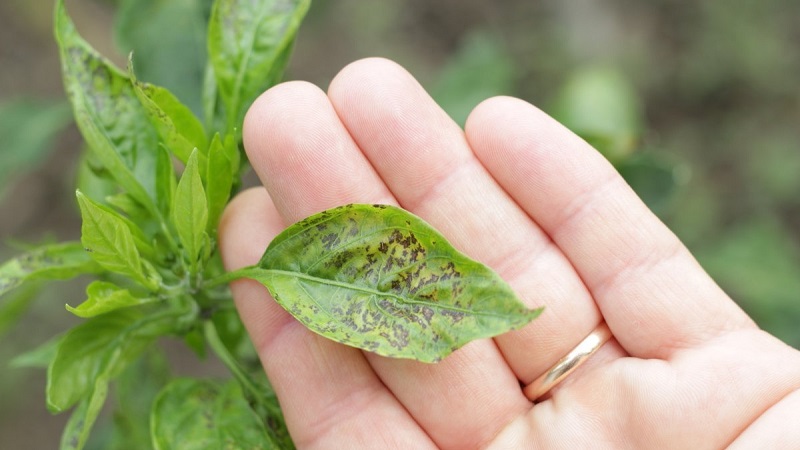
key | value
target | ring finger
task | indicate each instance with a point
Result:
(426, 162)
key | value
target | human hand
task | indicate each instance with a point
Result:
(686, 368)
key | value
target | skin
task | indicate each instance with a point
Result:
(517, 191)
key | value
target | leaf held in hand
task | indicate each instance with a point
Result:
(379, 278)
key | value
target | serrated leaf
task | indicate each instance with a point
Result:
(49, 262)
(248, 46)
(110, 242)
(177, 126)
(100, 347)
(199, 414)
(190, 211)
(381, 279)
(104, 297)
(108, 113)
(219, 179)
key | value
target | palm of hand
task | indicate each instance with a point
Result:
(686, 369)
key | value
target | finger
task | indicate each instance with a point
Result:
(653, 294)
(703, 398)
(308, 162)
(424, 159)
(776, 428)
(329, 394)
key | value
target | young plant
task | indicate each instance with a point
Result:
(370, 276)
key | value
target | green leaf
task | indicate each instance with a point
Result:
(99, 349)
(17, 303)
(135, 390)
(40, 357)
(109, 240)
(248, 45)
(379, 278)
(166, 182)
(481, 68)
(190, 211)
(201, 414)
(170, 36)
(177, 126)
(600, 105)
(108, 113)
(654, 179)
(219, 178)
(49, 262)
(758, 262)
(27, 130)
(104, 297)
(82, 419)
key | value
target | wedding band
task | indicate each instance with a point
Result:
(569, 363)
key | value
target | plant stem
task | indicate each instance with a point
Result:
(225, 356)
(227, 277)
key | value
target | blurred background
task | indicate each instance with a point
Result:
(697, 104)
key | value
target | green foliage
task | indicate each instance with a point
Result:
(480, 69)
(169, 39)
(379, 278)
(600, 105)
(149, 237)
(201, 414)
(768, 290)
(248, 46)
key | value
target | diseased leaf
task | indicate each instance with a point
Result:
(219, 178)
(104, 297)
(190, 211)
(379, 278)
(108, 113)
(248, 46)
(177, 126)
(200, 414)
(109, 240)
(49, 262)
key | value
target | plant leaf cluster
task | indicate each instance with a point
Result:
(153, 181)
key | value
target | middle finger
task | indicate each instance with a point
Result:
(424, 159)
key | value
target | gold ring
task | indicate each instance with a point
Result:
(569, 363)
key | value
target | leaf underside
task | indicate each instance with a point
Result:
(381, 279)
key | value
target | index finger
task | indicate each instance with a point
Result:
(654, 295)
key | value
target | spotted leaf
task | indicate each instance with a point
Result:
(381, 279)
